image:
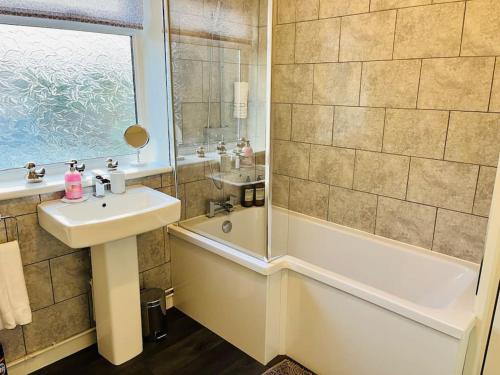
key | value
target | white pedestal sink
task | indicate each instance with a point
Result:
(109, 226)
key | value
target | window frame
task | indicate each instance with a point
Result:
(150, 64)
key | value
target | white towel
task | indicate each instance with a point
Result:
(14, 302)
(240, 105)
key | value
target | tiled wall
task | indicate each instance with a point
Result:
(385, 116)
(57, 277)
(209, 54)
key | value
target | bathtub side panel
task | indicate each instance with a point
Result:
(333, 332)
(223, 296)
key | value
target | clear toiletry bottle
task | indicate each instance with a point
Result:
(247, 193)
(260, 192)
(73, 182)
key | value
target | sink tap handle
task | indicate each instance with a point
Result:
(111, 165)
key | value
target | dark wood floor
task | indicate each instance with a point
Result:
(189, 349)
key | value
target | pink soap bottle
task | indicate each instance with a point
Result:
(73, 182)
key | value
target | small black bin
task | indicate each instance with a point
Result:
(154, 321)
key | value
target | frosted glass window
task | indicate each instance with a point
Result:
(63, 95)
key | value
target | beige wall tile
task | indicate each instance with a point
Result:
(481, 28)
(335, 8)
(353, 209)
(56, 323)
(495, 90)
(381, 173)
(484, 191)
(167, 179)
(281, 190)
(312, 124)
(309, 198)
(406, 222)
(188, 77)
(154, 182)
(198, 194)
(158, 277)
(429, 31)
(393, 4)
(337, 84)
(442, 184)
(367, 36)
(474, 138)
(306, 10)
(13, 343)
(70, 275)
(390, 84)
(191, 172)
(19, 206)
(39, 285)
(415, 133)
(331, 165)
(150, 249)
(359, 128)
(282, 121)
(456, 83)
(284, 44)
(292, 83)
(460, 235)
(317, 41)
(286, 11)
(36, 244)
(291, 158)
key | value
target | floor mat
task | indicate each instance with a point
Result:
(287, 367)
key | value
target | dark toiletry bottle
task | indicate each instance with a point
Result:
(260, 192)
(3, 365)
(247, 193)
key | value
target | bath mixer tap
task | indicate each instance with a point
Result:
(34, 175)
(215, 207)
(101, 184)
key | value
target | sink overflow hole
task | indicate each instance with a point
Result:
(104, 204)
(227, 226)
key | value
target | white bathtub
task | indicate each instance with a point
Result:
(341, 301)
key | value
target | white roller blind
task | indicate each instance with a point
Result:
(119, 13)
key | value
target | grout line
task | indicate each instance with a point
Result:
(388, 60)
(446, 135)
(408, 178)
(434, 230)
(394, 37)
(51, 282)
(475, 191)
(390, 153)
(463, 27)
(419, 81)
(492, 81)
(360, 84)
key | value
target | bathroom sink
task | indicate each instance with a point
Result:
(116, 216)
(110, 226)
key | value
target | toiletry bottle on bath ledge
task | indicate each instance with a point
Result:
(260, 192)
(247, 193)
(73, 182)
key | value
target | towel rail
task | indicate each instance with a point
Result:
(4, 218)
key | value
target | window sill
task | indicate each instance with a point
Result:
(18, 188)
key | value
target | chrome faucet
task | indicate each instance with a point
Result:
(101, 184)
(34, 175)
(215, 207)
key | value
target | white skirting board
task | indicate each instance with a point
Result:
(63, 349)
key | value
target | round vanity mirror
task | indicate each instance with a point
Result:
(137, 137)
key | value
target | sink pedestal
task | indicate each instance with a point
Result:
(115, 274)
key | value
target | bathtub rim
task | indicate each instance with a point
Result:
(456, 320)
